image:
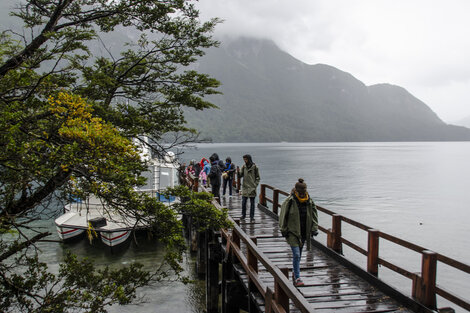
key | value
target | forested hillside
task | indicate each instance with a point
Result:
(269, 95)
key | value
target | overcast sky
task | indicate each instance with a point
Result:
(421, 45)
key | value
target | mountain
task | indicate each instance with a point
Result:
(270, 96)
(464, 122)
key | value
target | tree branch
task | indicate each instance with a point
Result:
(16, 207)
(15, 61)
(18, 247)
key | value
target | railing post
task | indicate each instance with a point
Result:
(373, 252)
(212, 273)
(279, 294)
(425, 288)
(268, 301)
(252, 262)
(334, 234)
(235, 237)
(251, 258)
(275, 200)
(262, 195)
(201, 253)
(238, 180)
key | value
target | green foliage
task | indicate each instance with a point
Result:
(199, 206)
(77, 286)
(68, 116)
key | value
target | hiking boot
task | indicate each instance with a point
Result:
(298, 282)
(252, 220)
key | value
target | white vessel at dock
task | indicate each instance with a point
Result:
(91, 215)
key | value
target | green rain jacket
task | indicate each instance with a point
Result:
(251, 180)
(289, 222)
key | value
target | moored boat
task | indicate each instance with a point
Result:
(90, 215)
(67, 233)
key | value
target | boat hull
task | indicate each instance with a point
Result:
(115, 238)
(69, 233)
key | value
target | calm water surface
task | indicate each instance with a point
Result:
(415, 191)
(166, 296)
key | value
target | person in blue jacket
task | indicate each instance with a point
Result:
(227, 175)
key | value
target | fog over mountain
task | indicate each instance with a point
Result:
(269, 95)
(463, 122)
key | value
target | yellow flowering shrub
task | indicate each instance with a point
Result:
(78, 126)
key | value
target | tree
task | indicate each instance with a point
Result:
(67, 120)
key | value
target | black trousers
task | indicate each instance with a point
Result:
(215, 189)
(252, 206)
(229, 182)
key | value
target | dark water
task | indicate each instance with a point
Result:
(416, 191)
(165, 296)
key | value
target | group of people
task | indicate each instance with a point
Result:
(216, 173)
(298, 220)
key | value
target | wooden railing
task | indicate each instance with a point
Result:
(424, 286)
(276, 300)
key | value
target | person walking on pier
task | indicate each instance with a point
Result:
(227, 175)
(298, 221)
(215, 175)
(250, 174)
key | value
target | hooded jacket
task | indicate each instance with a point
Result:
(215, 172)
(251, 178)
(207, 167)
(289, 221)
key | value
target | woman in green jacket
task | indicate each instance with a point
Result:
(298, 220)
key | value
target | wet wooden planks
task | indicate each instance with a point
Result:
(329, 286)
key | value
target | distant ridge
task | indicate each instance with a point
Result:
(464, 122)
(269, 96)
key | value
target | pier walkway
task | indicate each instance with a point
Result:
(249, 267)
(329, 285)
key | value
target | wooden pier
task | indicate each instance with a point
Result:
(249, 267)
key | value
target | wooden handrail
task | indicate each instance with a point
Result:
(454, 263)
(292, 293)
(424, 285)
(452, 298)
(353, 245)
(398, 269)
(402, 242)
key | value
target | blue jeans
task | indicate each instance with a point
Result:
(297, 255)
(252, 206)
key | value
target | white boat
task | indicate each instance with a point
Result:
(65, 232)
(115, 229)
(92, 216)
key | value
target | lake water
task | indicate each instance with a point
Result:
(415, 191)
(165, 296)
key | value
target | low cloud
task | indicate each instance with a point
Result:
(420, 45)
